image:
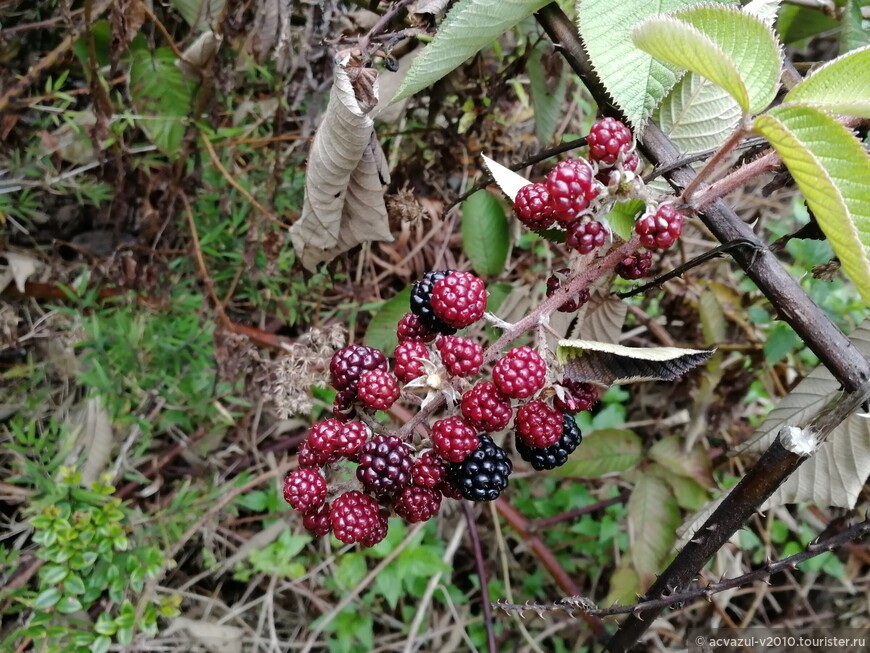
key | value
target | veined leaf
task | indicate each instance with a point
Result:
(548, 80)
(603, 452)
(853, 34)
(831, 168)
(469, 26)
(635, 80)
(161, 92)
(735, 50)
(697, 114)
(485, 239)
(695, 463)
(764, 10)
(841, 85)
(653, 518)
(799, 23)
(622, 217)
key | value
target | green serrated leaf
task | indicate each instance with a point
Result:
(547, 90)
(799, 23)
(831, 168)
(162, 93)
(635, 80)
(853, 35)
(603, 452)
(622, 217)
(841, 85)
(697, 114)
(653, 519)
(729, 47)
(780, 341)
(381, 332)
(485, 239)
(469, 26)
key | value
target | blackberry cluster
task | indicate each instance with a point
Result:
(410, 477)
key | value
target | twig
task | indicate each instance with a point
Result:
(33, 73)
(479, 563)
(700, 156)
(574, 604)
(713, 163)
(542, 524)
(382, 23)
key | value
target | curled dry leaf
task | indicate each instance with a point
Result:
(347, 173)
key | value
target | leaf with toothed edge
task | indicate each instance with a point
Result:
(509, 181)
(609, 364)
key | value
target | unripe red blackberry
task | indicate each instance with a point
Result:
(661, 229)
(408, 357)
(585, 236)
(325, 436)
(621, 172)
(416, 504)
(635, 266)
(459, 299)
(574, 396)
(484, 473)
(449, 489)
(316, 520)
(348, 364)
(520, 373)
(351, 439)
(461, 356)
(355, 516)
(305, 488)
(607, 138)
(485, 408)
(533, 208)
(555, 455)
(537, 424)
(377, 389)
(411, 328)
(378, 531)
(421, 302)
(384, 465)
(571, 185)
(554, 284)
(308, 457)
(428, 470)
(453, 439)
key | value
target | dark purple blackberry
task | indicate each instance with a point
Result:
(348, 364)
(384, 465)
(484, 474)
(421, 302)
(555, 455)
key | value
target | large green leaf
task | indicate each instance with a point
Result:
(799, 23)
(831, 168)
(730, 47)
(653, 518)
(603, 452)
(635, 80)
(548, 80)
(381, 332)
(853, 35)
(163, 95)
(469, 26)
(485, 233)
(841, 85)
(697, 114)
(622, 216)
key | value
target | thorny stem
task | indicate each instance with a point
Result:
(382, 23)
(582, 605)
(712, 164)
(531, 321)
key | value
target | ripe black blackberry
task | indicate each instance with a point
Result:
(555, 455)
(533, 208)
(384, 465)
(421, 302)
(484, 474)
(635, 266)
(348, 364)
